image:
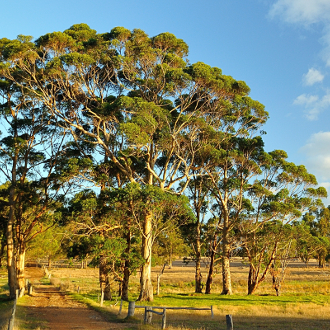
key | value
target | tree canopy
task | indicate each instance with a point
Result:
(145, 124)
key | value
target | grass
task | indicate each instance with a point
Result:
(6, 305)
(24, 320)
(304, 303)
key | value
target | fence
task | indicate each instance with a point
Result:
(148, 310)
(62, 263)
(12, 317)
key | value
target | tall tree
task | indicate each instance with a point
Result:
(134, 97)
(30, 145)
(233, 166)
(199, 196)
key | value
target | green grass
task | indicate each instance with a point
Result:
(303, 304)
(238, 300)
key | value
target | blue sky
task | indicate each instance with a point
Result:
(280, 48)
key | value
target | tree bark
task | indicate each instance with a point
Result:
(276, 284)
(170, 260)
(146, 289)
(211, 268)
(321, 259)
(125, 283)
(127, 272)
(11, 260)
(107, 289)
(3, 244)
(198, 274)
(252, 280)
(104, 279)
(20, 270)
(226, 276)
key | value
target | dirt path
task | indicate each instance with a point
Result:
(54, 310)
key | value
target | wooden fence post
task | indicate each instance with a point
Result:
(102, 298)
(12, 317)
(147, 315)
(30, 289)
(131, 308)
(229, 321)
(212, 315)
(164, 319)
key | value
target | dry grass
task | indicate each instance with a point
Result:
(300, 280)
(304, 303)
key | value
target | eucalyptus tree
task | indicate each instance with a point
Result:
(3, 223)
(231, 166)
(312, 235)
(169, 213)
(278, 197)
(213, 237)
(135, 98)
(318, 221)
(199, 195)
(30, 145)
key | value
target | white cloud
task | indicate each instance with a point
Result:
(304, 99)
(313, 104)
(312, 77)
(317, 152)
(306, 13)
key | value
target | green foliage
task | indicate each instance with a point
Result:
(144, 125)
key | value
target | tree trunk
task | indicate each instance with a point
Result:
(158, 278)
(170, 260)
(321, 259)
(125, 283)
(127, 272)
(276, 284)
(158, 284)
(198, 274)
(120, 289)
(20, 270)
(3, 244)
(11, 260)
(226, 276)
(211, 268)
(252, 280)
(104, 279)
(107, 289)
(146, 289)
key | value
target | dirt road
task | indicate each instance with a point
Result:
(48, 308)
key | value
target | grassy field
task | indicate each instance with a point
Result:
(304, 303)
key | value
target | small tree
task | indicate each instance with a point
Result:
(279, 198)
